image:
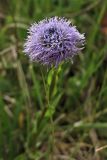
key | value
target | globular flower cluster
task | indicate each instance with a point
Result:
(52, 41)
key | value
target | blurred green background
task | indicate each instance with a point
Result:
(80, 98)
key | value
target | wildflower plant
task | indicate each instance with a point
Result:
(51, 42)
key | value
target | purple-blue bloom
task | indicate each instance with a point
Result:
(52, 41)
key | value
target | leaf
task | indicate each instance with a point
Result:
(53, 105)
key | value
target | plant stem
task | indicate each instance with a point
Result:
(51, 126)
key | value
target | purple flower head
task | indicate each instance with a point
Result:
(52, 41)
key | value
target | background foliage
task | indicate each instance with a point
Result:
(79, 98)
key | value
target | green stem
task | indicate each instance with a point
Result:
(51, 117)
